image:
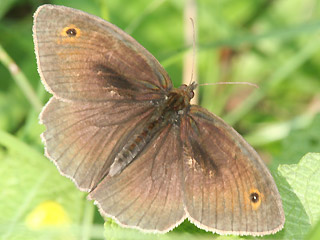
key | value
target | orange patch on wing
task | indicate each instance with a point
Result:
(69, 34)
(255, 198)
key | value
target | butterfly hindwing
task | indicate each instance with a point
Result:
(83, 138)
(227, 188)
(147, 194)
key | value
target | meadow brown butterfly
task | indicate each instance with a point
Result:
(118, 128)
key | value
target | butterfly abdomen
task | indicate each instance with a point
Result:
(135, 146)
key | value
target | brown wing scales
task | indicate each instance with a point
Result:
(227, 188)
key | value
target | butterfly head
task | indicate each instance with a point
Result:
(179, 98)
(188, 90)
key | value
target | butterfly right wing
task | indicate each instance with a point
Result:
(82, 139)
(227, 187)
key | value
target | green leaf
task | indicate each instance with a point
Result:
(314, 233)
(297, 223)
(304, 178)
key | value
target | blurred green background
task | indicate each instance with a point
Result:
(272, 43)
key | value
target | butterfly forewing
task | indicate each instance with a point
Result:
(227, 188)
(81, 57)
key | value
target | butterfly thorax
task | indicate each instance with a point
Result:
(179, 98)
(175, 104)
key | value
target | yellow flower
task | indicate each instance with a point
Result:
(48, 213)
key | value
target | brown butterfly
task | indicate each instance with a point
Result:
(120, 131)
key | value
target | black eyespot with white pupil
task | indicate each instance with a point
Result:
(254, 197)
(71, 32)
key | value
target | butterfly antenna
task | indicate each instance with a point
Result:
(233, 83)
(193, 49)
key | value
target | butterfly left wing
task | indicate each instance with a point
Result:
(227, 187)
(83, 138)
(105, 85)
(147, 195)
(83, 58)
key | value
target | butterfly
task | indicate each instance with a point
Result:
(119, 130)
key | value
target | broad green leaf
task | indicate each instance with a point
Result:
(314, 234)
(304, 179)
